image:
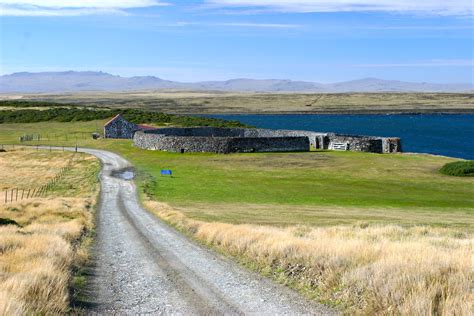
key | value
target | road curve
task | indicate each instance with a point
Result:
(141, 265)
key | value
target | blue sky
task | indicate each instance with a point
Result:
(313, 40)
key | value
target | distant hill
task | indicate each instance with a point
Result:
(72, 81)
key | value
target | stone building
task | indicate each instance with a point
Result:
(229, 140)
(119, 127)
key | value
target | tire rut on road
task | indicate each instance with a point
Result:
(141, 265)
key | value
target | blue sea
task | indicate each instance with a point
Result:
(441, 134)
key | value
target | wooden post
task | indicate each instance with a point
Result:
(6, 196)
(11, 196)
(22, 193)
(16, 198)
(28, 195)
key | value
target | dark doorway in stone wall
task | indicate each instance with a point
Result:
(181, 150)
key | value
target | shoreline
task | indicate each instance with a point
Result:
(356, 112)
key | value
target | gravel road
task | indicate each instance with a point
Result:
(141, 265)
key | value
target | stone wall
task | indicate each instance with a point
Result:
(391, 145)
(224, 140)
(357, 143)
(219, 144)
(268, 144)
(366, 143)
(154, 141)
(315, 139)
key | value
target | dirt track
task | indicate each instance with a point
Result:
(143, 266)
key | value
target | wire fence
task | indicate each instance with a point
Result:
(55, 137)
(5, 147)
(19, 194)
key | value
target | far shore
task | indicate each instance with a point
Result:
(371, 112)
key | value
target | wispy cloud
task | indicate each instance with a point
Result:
(432, 7)
(237, 24)
(71, 7)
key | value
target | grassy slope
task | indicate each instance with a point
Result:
(209, 102)
(299, 188)
(38, 259)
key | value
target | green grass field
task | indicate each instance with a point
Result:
(316, 188)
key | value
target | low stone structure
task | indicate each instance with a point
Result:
(227, 140)
(220, 144)
(230, 140)
(364, 143)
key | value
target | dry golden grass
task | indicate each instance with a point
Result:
(380, 269)
(38, 257)
(25, 168)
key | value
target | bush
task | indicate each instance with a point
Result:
(459, 169)
(73, 113)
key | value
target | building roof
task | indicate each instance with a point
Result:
(113, 119)
(146, 127)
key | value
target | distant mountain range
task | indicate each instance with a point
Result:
(74, 81)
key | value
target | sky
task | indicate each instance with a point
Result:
(312, 40)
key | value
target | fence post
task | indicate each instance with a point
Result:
(22, 193)
(28, 195)
(16, 198)
(6, 196)
(11, 196)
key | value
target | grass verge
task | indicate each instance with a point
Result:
(39, 256)
(378, 269)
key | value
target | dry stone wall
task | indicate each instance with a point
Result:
(226, 140)
(316, 139)
(222, 145)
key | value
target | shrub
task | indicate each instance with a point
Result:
(459, 169)
(57, 112)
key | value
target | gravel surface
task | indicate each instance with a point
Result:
(141, 265)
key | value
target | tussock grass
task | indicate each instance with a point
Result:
(379, 269)
(38, 257)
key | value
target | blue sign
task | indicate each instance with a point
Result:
(166, 172)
